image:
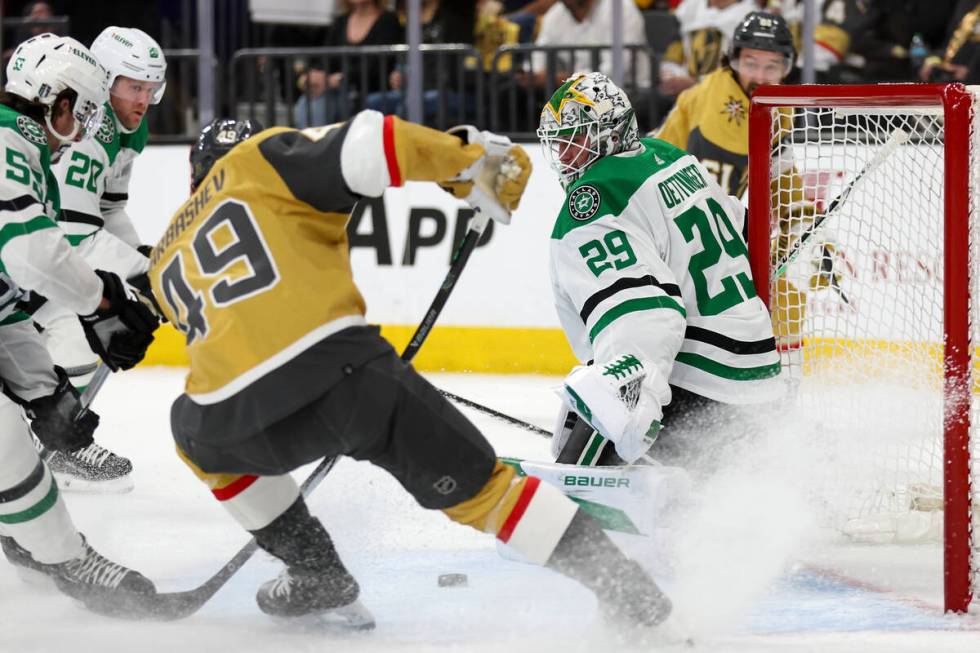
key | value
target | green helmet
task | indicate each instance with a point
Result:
(587, 118)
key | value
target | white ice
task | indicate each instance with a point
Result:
(739, 573)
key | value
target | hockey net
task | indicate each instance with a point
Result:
(863, 237)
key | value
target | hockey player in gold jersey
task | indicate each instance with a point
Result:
(284, 369)
(710, 120)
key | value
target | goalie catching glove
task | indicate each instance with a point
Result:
(495, 182)
(622, 400)
(121, 332)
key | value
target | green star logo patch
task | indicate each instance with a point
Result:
(106, 130)
(584, 202)
(31, 130)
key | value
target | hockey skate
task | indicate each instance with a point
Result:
(30, 570)
(90, 469)
(102, 585)
(321, 599)
(628, 597)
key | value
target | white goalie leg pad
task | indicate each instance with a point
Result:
(622, 400)
(256, 501)
(31, 508)
(538, 521)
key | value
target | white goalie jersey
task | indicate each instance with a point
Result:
(647, 258)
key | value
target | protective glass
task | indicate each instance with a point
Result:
(138, 90)
(88, 117)
(771, 70)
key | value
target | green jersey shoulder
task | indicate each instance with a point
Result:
(136, 141)
(21, 128)
(607, 186)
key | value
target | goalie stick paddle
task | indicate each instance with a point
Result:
(896, 138)
(169, 606)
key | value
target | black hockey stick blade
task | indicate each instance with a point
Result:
(163, 606)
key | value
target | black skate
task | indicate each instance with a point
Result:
(322, 598)
(628, 596)
(102, 585)
(90, 469)
(29, 569)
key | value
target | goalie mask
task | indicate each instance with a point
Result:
(587, 118)
(43, 67)
(215, 141)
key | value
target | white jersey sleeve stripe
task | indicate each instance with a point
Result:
(625, 283)
(630, 306)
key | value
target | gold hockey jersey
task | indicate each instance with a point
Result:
(254, 267)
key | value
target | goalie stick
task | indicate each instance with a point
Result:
(897, 138)
(169, 606)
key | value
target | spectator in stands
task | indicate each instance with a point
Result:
(959, 58)
(525, 14)
(588, 22)
(442, 22)
(330, 96)
(493, 30)
(33, 12)
(706, 27)
(858, 41)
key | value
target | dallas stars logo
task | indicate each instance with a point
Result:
(567, 93)
(31, 130)
(584, 202)
(735, 110)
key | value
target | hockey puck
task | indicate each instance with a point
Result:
(452, 580)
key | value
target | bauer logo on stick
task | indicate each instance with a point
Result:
(584, 202)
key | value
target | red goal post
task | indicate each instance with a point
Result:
(955, 104)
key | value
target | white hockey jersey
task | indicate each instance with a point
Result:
(34, 253)
(94, 179)
(647, 257)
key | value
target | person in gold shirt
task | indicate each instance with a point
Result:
(284, 370)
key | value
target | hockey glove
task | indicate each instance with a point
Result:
(120, 333)
(495, 182)
(622, 400)
(55, 420)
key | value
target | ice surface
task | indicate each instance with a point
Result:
(744, 568)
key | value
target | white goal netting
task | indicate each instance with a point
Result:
(858, 310)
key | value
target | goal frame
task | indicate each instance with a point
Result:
(956, 103)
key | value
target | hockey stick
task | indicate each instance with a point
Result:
(169, 606)
(497, 414)
(897, 137)
(92, 389)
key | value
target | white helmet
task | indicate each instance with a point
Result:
(587, 118)
(45, 65)
(133, 53)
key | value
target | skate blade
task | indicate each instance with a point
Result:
(352, 617)
(68, 483)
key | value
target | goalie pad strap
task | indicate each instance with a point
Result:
(538, 520)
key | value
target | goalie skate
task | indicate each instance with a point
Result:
(90, 469)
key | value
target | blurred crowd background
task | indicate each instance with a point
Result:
(490, 62)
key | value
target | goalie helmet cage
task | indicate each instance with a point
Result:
(896, 197)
